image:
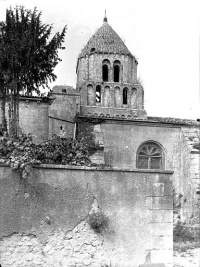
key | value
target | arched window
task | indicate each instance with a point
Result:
(107, 96)
(125, 96)
(105, 73)
(98, 94)
(117, 97)
(116, 73)
(105, 70)
(90, 95)
(134, 98)
(150, 156)
(116, 70)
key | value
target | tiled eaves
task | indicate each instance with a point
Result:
(153, 120)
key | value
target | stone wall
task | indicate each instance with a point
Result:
(191, 135)
(62, 111)
(121, 139)
(90, 68)
(111, 98)
(45, 221)
(33, 117)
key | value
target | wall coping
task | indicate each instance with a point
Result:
(98, 168)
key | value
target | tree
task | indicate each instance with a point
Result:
(2, 85)
(28, 57)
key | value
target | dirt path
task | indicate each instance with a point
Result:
(189, 258)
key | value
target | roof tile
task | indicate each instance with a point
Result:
(105, 40)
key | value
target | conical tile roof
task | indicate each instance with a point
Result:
(105, 40)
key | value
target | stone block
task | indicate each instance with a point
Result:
(157, 189)
(168, 189)
(162, 242)
(160, 229)
(162, 216)
(162, 256)
(165, 202)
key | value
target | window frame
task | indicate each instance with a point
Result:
(151, 157)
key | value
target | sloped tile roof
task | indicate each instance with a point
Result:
(173, 120)
(165, 120)
(105, 40)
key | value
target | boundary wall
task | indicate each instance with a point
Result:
(45, 220)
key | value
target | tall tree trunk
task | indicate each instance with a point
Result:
(17, 112)
(3, 112)
(11, 115)
(14, 111)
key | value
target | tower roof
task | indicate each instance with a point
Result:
(105, 40)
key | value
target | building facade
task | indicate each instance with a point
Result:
(140, 158)
(109, 97)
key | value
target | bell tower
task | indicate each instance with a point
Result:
(107, 77)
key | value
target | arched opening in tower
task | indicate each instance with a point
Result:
(116, 73)
(105, 73)
(98, 94)
(134, 98)
(125, 96)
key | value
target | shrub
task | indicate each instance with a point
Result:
(196, 146)
(21, 153)
(182, 233)
(98, 221)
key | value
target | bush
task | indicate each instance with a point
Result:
(183, 233)
(98, 221)
(196, 146)
(21, 153)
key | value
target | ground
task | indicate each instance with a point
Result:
(187, 255)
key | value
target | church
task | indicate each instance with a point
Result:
(109, 99)
(141, 165)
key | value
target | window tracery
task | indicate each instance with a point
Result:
(150, 156)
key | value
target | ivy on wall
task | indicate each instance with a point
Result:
(85, 133)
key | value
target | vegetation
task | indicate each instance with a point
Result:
(98, 221)
(183, 233)
(27, 58)
(197, 146)
(21, 153)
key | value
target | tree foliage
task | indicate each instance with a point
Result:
(27, 55)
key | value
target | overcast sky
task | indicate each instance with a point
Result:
(162, 34)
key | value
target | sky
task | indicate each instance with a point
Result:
(164, 36)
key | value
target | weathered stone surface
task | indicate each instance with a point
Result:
(50, 226)
(154, 202)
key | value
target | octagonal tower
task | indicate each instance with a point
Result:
(107, 77)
